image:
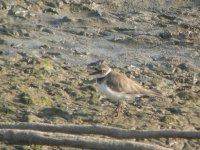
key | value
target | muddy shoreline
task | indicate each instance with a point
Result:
(123, 33)
(45, 46)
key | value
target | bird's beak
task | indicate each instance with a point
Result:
(92, 69)
(92, 64)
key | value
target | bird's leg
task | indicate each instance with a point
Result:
(137, 102)
(118, 108)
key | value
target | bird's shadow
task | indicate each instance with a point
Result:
(48, 113)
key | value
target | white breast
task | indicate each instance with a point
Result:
(113, 94)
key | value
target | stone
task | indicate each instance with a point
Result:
(165, 35)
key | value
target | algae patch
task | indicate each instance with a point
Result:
(169, 119)
(34, 99)
(25, 98)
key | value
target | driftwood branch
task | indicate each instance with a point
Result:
(14, 136)
(103, 130)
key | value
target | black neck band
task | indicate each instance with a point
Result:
(100, 80)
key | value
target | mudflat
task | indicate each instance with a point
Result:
(46, 45)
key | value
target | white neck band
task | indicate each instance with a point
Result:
(103, 75)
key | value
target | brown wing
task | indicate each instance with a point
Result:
(121, 83)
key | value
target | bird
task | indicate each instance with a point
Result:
(117, 86)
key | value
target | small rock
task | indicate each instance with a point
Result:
(52, 4)
(18, 11)
(50, 10)
(44, 47)
(66, 19)
(53, 53)
(181, 36)
(165, 35)
(39, 27)
(66, 1)
(95, 13)
(55, 4)
(28, 70)
(34, 85)
(183, 66)
(186, 95)
(150, 66)
(105, 33)
(47, 30)
(56, 85)
(60, 3)
(174, 110)
(24, 33)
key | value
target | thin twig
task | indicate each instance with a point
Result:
(23, 137)
(103, 130)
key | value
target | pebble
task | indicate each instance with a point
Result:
(174, 110)
(3, 5)
(66, 19)
(19, 11)
(181, 36)
(165, 35)
(183, 66)
(47, 30)
(50, 10)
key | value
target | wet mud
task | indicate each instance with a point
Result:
(46, 45)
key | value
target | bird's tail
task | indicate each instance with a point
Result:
(153, 93)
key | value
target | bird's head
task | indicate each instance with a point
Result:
(100, 68)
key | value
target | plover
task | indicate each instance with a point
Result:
(118, 86)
